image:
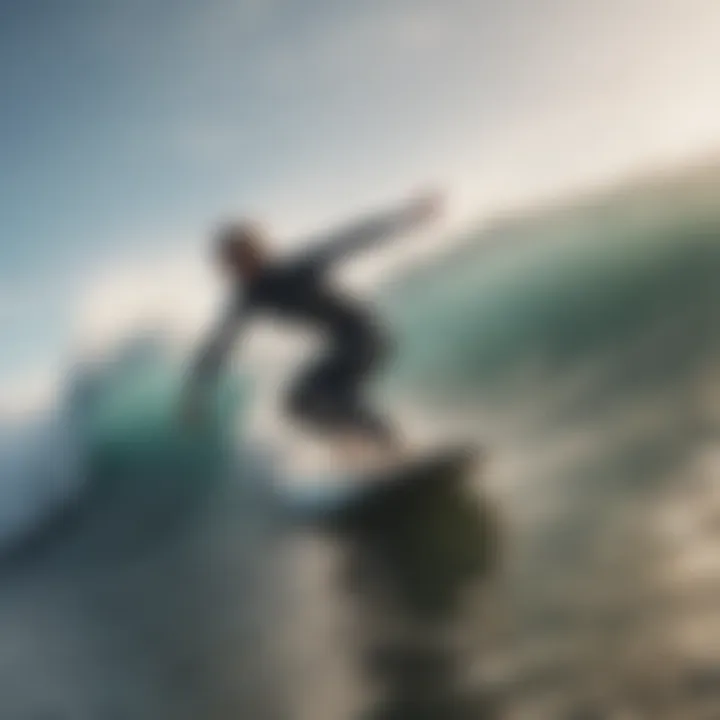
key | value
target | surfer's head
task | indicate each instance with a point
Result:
(241, 248)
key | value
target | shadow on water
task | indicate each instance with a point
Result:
(412, 558)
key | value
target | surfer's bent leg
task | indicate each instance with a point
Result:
(329, 395)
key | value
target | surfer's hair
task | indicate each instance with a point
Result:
(237, 238)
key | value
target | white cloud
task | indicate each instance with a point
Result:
(172, 291)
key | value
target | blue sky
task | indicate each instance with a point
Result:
(128, 128)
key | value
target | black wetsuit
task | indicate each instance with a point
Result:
(329, 393)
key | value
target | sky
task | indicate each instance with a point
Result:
(129, 129)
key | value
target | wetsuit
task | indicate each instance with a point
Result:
(329, 393)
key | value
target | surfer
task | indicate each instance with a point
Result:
(328, 395)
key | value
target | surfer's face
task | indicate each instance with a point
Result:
(243, 250)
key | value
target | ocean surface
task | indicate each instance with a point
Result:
(151, 573)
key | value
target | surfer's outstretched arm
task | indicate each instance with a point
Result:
(372, 230)
(211, 357)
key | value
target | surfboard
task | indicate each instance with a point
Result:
(356, 497)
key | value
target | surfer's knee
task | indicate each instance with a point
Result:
(304, 404)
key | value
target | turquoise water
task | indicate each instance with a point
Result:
(136, 419)
(558, 304)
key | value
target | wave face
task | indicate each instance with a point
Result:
(39, 474)
(112, 452)
(609, 291)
